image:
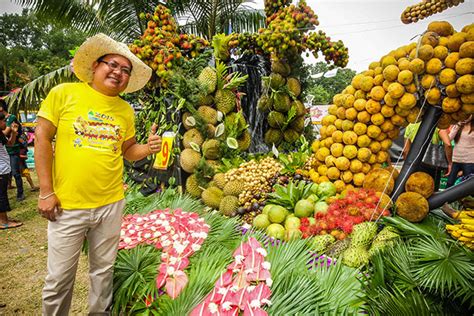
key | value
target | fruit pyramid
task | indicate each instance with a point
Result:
(213, 130)
(426, 8)
(284, 40)
(161, 46)
(367, 115)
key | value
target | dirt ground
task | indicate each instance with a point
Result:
(23, 253)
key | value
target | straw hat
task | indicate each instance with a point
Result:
(100, 45)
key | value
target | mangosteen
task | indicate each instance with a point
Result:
(241, 210)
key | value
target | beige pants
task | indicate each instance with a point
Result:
(101, 227)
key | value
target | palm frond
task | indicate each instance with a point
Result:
(29, 97)
(441, 267)
(341, 288)
(430, 226)
(134, 276)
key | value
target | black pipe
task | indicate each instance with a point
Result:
(418, 148)
(452, 194)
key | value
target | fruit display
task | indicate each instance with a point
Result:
(161, 46)
(214, 130)
(256, 178)
(426, 8)
(282, 102)
(464, 230)
(342, 214)
(367, 115)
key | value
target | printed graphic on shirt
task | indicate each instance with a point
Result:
(97, 132)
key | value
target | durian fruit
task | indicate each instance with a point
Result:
(337, 249)
(294, 86)
(244, 141)
(298, 124)
(281, 102)
(234, 188)
(412, 206)
(207, 99)
(355, 256)
(185, 117)
(276, 81)
(189, 159)
(276, 119)
(273, 136)
(219, 180)
(290, 135)
(420, 182)
(208, 79)
(208, 114)
(225, 100)
(281, 67)
(321, 243)
(265, 103)
(192, 136)
(229, 205)
(192, 186)
(363, 234)
(211, 149)
(212, 197)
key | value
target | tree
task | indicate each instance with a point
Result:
(30, 49)
(121, 18)
(324, 88)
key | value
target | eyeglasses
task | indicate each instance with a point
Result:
(114, 66)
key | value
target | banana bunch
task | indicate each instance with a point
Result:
(464, 231)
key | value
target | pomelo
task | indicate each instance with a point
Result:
(292, 222)
(304, 208)
(277, 214)
(276, 231)
(261, 221)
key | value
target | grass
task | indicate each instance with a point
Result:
(23, 261)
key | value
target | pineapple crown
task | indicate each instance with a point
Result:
(228, 81)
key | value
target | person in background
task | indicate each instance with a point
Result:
(438, 137)
(5, 170)
(25, 172)
(13, 150)
(462, 134)
(81, 191)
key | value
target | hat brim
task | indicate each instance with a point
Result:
(100, 45)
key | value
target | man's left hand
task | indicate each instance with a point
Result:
(154, 141)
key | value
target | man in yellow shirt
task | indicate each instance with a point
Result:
(81, 192)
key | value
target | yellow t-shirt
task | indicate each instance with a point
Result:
(91, 128)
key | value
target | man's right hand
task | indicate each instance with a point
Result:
(50, 207)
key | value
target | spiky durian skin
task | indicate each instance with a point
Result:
(212, 197)
(189, 159)
(192, 186)
(229, 205)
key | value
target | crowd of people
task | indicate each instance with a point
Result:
(13, 156)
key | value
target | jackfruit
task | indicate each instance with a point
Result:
(212, 197)
(225, 100)
(208, 79)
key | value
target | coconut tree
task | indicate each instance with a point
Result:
(121, 20)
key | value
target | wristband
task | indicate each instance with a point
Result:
(46, 196)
